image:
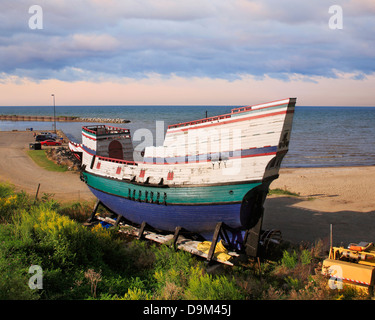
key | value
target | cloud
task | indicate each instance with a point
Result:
(92, 39)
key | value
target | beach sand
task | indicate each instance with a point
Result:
(331, 189)
(341, 196)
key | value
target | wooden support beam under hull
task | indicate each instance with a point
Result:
(254, 237)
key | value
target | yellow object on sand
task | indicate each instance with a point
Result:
(220, 250)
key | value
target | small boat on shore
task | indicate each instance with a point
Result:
(211, 170)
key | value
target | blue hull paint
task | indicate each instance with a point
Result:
(201, 219)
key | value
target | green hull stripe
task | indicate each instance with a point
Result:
(180, 195)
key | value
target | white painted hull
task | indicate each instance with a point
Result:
(236, 147)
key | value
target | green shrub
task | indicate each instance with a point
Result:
(208, 287)
(306, 257)
(171, 266)
(167, 258)
(14, 283)
(136, 294)
(78, 211)
(289, 260)
(15, 260)
(6, 190)
(11, 203)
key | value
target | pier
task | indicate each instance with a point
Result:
(60, 119)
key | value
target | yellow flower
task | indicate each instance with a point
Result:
(99, 231)
(10, 200)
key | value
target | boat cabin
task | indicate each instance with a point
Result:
(107, 141)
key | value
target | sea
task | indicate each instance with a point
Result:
(321, 136)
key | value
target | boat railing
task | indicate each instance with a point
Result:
(76, 144)
(204, 120)
(111, 129)
(241, 109)
(105, 130)
(229, 115)
(91, 128)
(209, 119)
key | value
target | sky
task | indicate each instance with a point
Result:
(187, 52)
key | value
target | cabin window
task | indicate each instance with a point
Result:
(115, 150)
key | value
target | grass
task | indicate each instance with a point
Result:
(101, 264)
(40, 158)
(283, 192)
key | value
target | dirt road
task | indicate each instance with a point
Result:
(17, 168)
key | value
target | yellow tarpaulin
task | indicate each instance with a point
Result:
(220, 250)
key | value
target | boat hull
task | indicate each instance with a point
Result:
(196, 218)
(126, 199)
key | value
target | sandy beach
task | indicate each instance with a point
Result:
(331, 189)
(342, 196)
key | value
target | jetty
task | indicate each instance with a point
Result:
(61, 119)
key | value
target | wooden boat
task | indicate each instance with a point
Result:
(211, 170)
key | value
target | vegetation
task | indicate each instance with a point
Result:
(79, 262)
(40, 158)
(283, 192)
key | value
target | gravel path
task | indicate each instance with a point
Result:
(17, 168)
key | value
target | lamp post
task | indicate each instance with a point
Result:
(54, 111)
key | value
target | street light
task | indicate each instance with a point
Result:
(54, 111)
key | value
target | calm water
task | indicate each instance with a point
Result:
(321, 136)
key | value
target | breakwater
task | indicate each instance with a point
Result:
(61, 119)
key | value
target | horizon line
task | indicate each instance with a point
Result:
(177, 105)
